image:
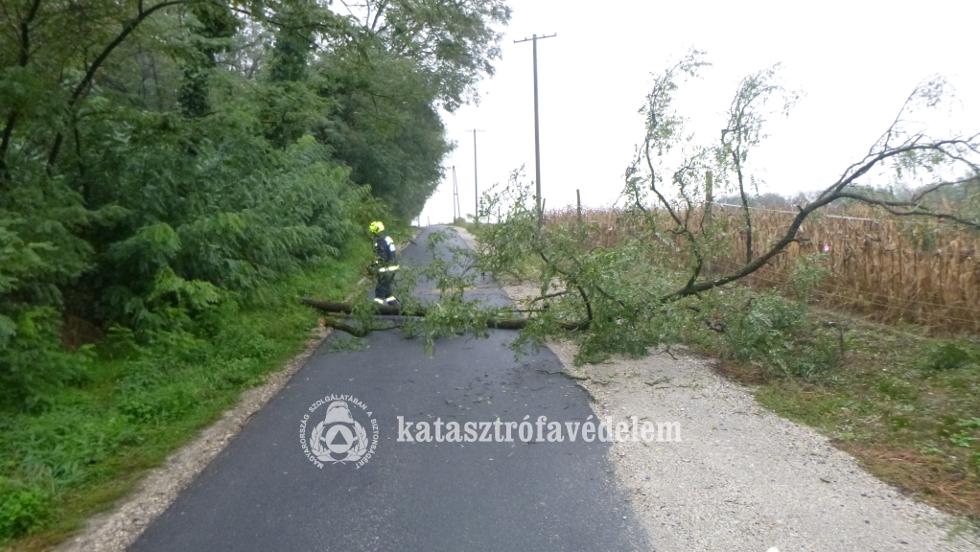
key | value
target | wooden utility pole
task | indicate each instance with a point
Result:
(537, 133)
(476, 182)
(456, 209)
(709, 195)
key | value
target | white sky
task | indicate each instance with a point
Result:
(855, 62)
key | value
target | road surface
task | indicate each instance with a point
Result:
(264, 493)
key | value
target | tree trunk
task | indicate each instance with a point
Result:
(331, 307)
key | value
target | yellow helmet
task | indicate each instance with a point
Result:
(376, 227)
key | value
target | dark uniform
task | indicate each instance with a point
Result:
(386, 264)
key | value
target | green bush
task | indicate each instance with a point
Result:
(32, 361)
(949, 355)
(20, 508)
(774, 332)
(164, 241)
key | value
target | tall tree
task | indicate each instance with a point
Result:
(217, 25)
(454, 43)
(385, 126)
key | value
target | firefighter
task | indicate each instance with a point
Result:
(385, 264)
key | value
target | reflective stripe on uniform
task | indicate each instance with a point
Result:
(391, 268)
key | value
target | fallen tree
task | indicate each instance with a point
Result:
(668, 279)
(333, 307)
(500, 321)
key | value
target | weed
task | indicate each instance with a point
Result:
(949, 355)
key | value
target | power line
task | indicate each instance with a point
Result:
(838, 217)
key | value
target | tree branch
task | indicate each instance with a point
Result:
(332, 307)
(82, 87)
(833, 193)
(23, 57)
(913, 209)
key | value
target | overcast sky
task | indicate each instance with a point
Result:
(854, 61)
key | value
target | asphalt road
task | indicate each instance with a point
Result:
(264, 493)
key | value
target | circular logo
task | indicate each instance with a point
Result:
(338, 429)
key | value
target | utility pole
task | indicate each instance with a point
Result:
(476, 182)
(537, 133)
(455, 197)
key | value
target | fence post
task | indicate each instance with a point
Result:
(578, 205)
(709, 194)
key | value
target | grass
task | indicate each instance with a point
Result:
(138, 403)
(904, 404)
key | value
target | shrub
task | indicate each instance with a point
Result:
(32, 361)
(21, 508)
(949, 355)
(773, 331)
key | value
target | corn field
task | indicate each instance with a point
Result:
(889, 269)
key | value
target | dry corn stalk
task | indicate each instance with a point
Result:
(890, 269)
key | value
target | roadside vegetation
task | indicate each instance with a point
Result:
(134, 401)
(900, 398)
(871, 340)
(903, 403)
(885, 268)
(673, 267)
(173, 175)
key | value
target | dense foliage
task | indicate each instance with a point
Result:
(160, 158)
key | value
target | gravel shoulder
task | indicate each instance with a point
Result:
(742, 478)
